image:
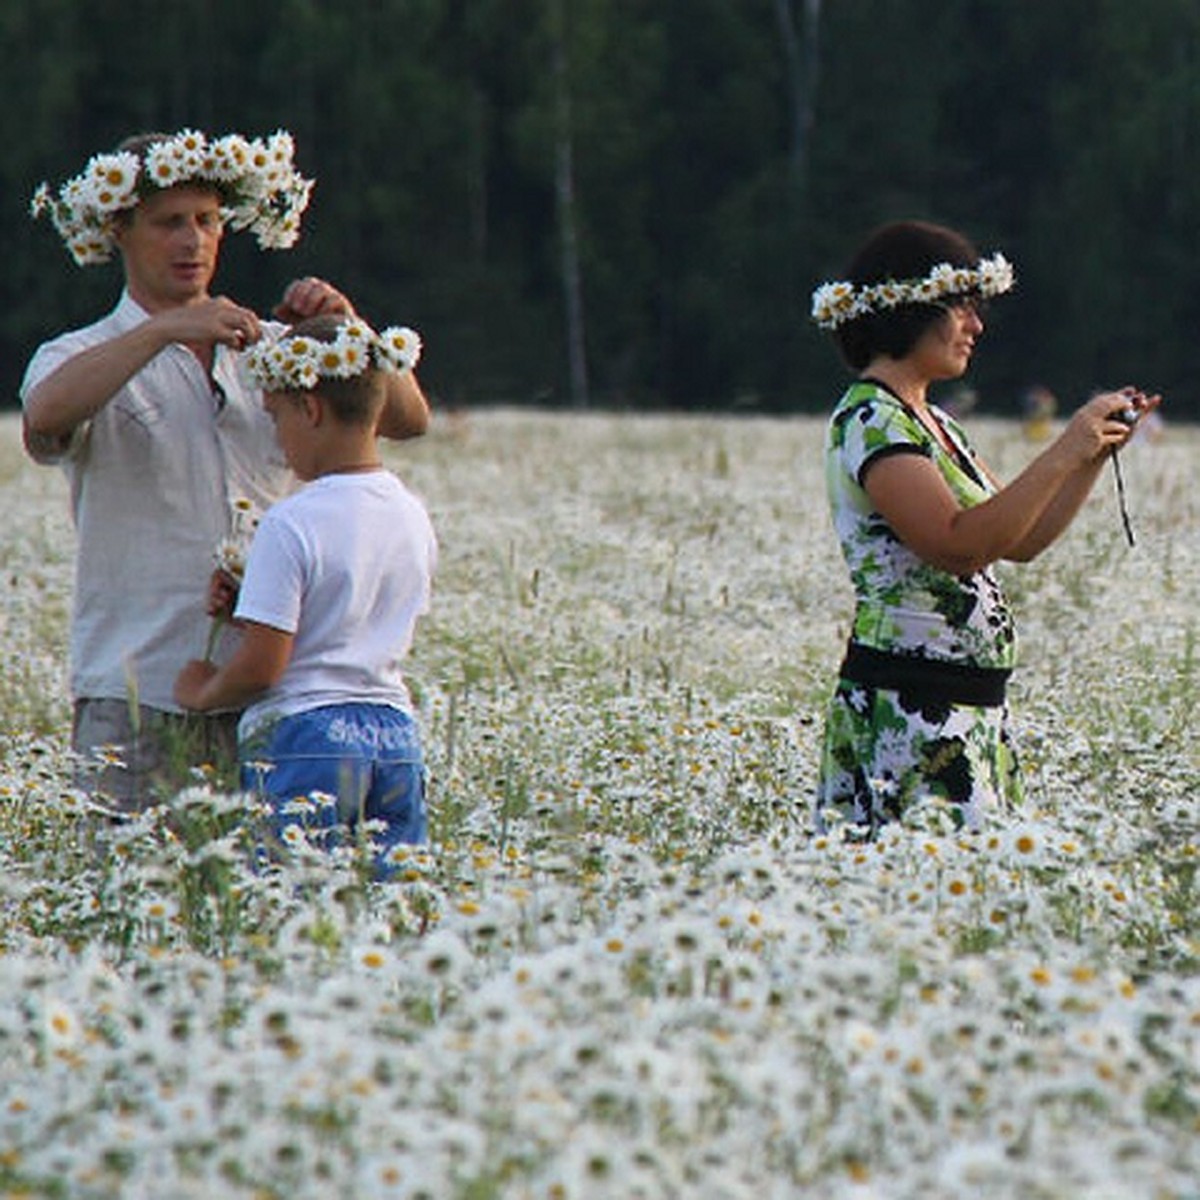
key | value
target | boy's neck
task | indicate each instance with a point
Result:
(354, 469)
(346, 452)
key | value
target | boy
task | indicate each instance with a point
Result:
(336, 577)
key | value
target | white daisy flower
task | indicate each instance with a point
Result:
(114, 180)
(163, 167)
(300, 362)
(61, 1025)
(837, 302)
(401, 346)
(42, 201)
(268, 194)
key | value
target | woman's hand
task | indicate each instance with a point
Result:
(1105, 423)
(1139, 406)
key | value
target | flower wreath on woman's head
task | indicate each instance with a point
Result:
(298, 361)
(260, 189)
(835, 303)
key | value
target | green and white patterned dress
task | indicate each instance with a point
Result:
(905, 734)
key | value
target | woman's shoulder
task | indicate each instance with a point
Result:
(868, 400)
(868, 411)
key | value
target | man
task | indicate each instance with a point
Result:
(162, 433)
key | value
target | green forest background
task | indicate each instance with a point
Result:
(628, 202)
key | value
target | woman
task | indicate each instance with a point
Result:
(919, 709)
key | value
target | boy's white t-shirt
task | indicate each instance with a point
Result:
(346, 565)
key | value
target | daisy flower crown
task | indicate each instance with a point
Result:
(259, 186)
(297, 362)
(835, 303)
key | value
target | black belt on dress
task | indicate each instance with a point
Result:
(931, 678)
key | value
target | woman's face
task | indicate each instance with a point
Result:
(944, 350)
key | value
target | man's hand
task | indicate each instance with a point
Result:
(216, 319)
(312, 297)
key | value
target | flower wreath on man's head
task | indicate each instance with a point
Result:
(298, 361)
(835, 303)
(260, 188)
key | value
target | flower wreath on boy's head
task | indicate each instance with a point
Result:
(259, 186)
(298, 361)
(835, 303)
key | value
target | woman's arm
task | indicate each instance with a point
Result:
(256, 666)
(1058, 514)
(910, 494)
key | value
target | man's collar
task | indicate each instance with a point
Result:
(129, 313)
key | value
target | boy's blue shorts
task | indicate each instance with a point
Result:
(363, 761)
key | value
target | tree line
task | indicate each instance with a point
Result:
(629, 202)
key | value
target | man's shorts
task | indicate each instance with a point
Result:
(133, 762)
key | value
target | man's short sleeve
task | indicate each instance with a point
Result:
(46, 449)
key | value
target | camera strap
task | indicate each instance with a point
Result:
(1121, 502)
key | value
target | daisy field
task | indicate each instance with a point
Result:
(625, 966)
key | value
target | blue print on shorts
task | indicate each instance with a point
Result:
(400, 738)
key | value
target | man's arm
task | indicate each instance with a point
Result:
(80, 387)
(406, 412)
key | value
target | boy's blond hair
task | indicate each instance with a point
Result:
(357, 400)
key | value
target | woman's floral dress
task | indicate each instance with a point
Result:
(887, 748)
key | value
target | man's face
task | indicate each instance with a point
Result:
(169, 246)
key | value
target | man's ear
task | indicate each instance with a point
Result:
(121, 223)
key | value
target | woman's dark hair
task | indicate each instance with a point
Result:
(899, 250)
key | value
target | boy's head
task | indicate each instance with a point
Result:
(325, 384)
(338, 358)
(351, 399)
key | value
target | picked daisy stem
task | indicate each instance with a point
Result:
(214, 632)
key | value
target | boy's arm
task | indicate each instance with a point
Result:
(257, 665)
